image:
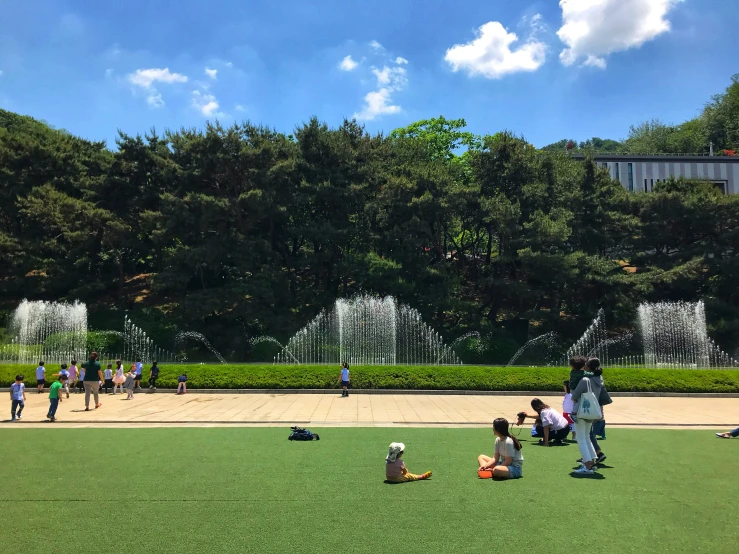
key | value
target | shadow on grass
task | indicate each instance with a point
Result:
(595, 476)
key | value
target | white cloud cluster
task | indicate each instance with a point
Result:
(205, 103)
(493, 55)
(212, 73)
(348, 64)
(147, 78)
(379, 102)
(592, 29)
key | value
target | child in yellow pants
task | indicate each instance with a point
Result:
(395, 471)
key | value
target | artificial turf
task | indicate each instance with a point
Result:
(251, 490)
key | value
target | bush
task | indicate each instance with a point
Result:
(248, 376)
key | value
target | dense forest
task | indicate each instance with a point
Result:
(241, 231)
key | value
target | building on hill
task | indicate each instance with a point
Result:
(639, 173)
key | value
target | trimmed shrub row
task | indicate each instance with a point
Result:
(483, 378)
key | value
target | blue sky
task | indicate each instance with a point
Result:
(546, 69)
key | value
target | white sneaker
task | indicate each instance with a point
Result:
(583, 470)
(18, 417)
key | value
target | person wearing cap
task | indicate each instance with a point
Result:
(395, 470)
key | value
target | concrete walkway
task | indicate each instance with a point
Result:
(360, 410)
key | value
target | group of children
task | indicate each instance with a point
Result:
(118, 381)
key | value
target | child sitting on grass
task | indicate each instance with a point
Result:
(395, 471)
(507, 462)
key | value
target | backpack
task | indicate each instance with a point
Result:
(299, 434)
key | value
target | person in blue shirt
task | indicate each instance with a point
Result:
(139, 369)
(182, 384)
(344, 379)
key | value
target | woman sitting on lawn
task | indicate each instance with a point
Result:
(730, 434)
(395, 471)
(507, 461)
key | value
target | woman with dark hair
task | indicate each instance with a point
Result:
(92, 379)
(507, 461)
(590, 382)
(551, 425)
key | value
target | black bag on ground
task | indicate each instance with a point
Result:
(300, 434)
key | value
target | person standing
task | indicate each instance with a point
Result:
(139, 369)
(40, 377)
(153, 376)
(344, 379)
(17, 398)
(63, 371)
(590, 382)
(108, 374)
(92, 379)
(119, 377)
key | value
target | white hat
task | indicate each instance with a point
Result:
(395, 449)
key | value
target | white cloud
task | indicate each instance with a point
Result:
(491, 55)
(212, 73)
(348, 64)
(108, 73)
(1, 72)
(239, 108)
(401, 61)
(595, 61)
(206, 104)
(145, 78)
(376, 45)
(592, 29)
(379, 102)
(229, 64)
(155, 100)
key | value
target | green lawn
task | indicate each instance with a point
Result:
(251, 490)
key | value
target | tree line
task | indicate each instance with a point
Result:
(240, 231)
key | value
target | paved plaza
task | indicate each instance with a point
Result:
(358, 410)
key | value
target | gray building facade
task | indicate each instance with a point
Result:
(639, 173)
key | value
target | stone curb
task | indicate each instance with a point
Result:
(30, 391)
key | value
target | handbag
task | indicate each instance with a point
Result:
(588, 408)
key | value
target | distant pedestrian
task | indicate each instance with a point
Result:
(55, 397)
(344, 379)
(17, 398)
(91, 380)
(182, 384)
(119, 378)
(108, 375)
(153, 375)
(128, 384)
(139, 369)
(40, 377)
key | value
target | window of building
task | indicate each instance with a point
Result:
(645, 186)
(631, 177)
(604, 165)
(721, 185)
(651, 184)
(618, 175)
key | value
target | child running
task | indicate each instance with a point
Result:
(395, 470)
(507, 462)
(119, 378)
(17, 398)
(55, 397)
(153, 375)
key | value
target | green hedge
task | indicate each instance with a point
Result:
(247, 376)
